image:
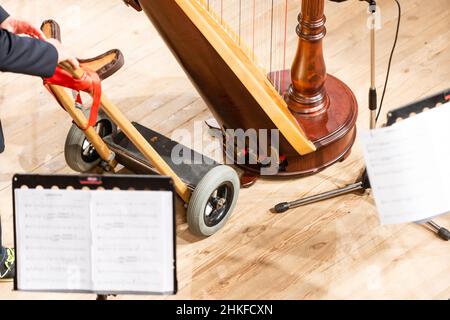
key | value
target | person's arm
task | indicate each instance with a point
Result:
(27, 55)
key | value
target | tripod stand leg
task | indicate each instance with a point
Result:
(285, 206)
(442, 232)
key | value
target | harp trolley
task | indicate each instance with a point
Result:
(209, 190)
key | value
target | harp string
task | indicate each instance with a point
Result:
(262, 29)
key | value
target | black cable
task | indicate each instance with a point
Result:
(390, 58)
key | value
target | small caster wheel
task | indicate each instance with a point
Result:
(80, 155)
(213, 201)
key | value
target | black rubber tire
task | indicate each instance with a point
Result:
(73, 148)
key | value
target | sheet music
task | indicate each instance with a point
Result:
(102, 240)
(408, 166)
(132, 249)
(53, 239)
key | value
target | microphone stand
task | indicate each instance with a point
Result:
(373, 103)
(363, 183)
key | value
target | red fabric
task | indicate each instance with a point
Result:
(89, 83)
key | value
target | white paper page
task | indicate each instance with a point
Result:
(132, 241)
(407, 166)
(53, 239)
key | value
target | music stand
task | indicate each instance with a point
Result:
(363, 183)
(144, 184)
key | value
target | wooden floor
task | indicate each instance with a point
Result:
(332, 250)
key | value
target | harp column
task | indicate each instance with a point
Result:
(307, 94)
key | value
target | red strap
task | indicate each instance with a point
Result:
(90, 83)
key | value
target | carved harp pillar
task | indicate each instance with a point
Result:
(323, 105)
(307, 93)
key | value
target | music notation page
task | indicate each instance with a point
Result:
(53, 239)
(408, 166)
(132, 241)
(102, 241)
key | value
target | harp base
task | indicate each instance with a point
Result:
(333, 131)
(300, 166)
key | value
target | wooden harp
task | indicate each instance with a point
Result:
(234, 52)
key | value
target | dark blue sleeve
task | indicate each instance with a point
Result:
(3, 14)
(27, 55)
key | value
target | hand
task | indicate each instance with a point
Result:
(63, 54)
(21, 27)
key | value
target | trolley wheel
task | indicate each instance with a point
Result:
(213, 201)
(80, 155)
